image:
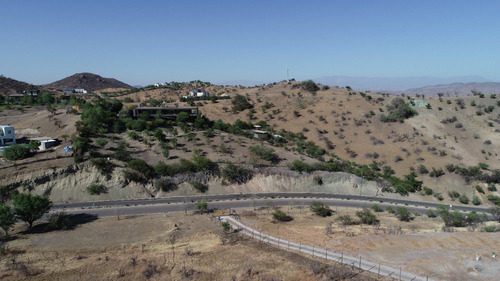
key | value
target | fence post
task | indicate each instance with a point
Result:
(400, 273)
(359, 263)
(342, 258)
(300, 246)
(289, 244)
(313, 250)
(326, 254)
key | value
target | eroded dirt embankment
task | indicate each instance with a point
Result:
(70, 184)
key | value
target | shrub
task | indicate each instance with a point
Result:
(494, 199)
(97, 189)
(422, 169)
(345, 220)
(376, 208)
(300, 166)
(479, 189)
(453, 194)
(16, 152)
(101, 142)
(60, 221)
(492, 187)
(475, 200)
(141, 166)
(318, 179)
(439, 196)
(430, 214)
(165, 185)
(398, 111)
(320, 209)
(366, 217)
(450, 167)
(226, 226)
(428, 191)
(403, 214)
(235, 174)
(463, 199)
(264, 153)
(103, 165)
(389, 209)
(133, 176)
(491, 228)
(279, 215)
(455, 218)
(201, 187)
(202, 205)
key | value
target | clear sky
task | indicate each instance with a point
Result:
(143, 42)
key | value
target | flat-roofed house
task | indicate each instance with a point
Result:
(7, 135)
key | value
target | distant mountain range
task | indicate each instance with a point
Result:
(394, 83)
(409, 86)
(454, 89)
(88, 81)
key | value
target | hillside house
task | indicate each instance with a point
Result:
(33, 93)
(165, 112)
(419, 102)
(74, 91)
(7, 135)
(197, 93)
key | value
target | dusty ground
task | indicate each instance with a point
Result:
(420, 246)
(157, 247)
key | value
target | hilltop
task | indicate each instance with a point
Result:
(88, 81)
(11, 86)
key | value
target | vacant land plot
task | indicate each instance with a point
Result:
(170, 246)
(419, 246)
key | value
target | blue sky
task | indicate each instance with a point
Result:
(143, 42)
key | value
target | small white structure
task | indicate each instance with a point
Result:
(45, 143)
(7, 135)
(81, 91)
(197, 93)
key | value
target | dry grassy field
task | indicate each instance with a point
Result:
(170, 246)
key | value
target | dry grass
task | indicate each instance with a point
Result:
(156, 247)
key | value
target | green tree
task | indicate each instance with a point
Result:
(182, 117)
(240, 103)
(320, 209)
(310, 86)
(29, 207)
(7, 218)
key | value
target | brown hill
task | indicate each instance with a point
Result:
(88, 81)
(10, 86)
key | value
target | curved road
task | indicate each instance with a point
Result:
(184, 203)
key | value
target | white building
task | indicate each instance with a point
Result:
(197, 93)
(7, 135)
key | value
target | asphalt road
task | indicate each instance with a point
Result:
(177, 204)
